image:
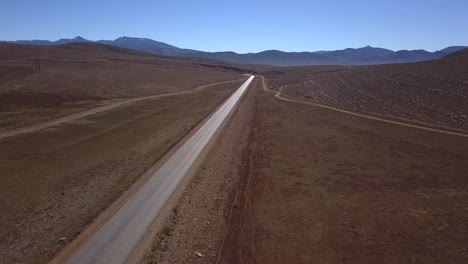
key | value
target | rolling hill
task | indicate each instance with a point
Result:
(359, 56)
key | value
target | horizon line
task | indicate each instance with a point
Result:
(221, 51)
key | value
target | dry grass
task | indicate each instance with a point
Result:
(432, 92)
(54, 182)
(80, 76)
(326, 186)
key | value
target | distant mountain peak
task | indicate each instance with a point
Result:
(350, 56)
(79, 38)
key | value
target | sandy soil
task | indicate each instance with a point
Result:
(320, 186)
(56, 181)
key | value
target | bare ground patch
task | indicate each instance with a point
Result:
(54, 182)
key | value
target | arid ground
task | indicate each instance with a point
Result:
(80, 76)
(56, 179)
(433, 92)
(292, 178)
(308, 184)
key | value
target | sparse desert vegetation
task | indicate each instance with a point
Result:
(288, 182)
(80, 76)
(234, 132)
(58, 179)
(314, 184)
(432, 92)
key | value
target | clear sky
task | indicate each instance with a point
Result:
(245, 26)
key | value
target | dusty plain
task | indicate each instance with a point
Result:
(433, 92)
(80, 76)
(56, 180)
(285, 182)
(314, 185)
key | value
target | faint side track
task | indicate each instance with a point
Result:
(237, 218)
(86, 113)
(385, 92)
(279, 93)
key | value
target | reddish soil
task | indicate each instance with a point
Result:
(285, 183)
(54, 182)
(319, 186)
(80, 76)
(197, 223)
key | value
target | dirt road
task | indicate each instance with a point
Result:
(279, 95)
(100, 109)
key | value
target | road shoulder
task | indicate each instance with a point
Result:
(195, 228)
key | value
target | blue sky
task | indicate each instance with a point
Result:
(245, 26)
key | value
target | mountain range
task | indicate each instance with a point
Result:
(360, 56)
